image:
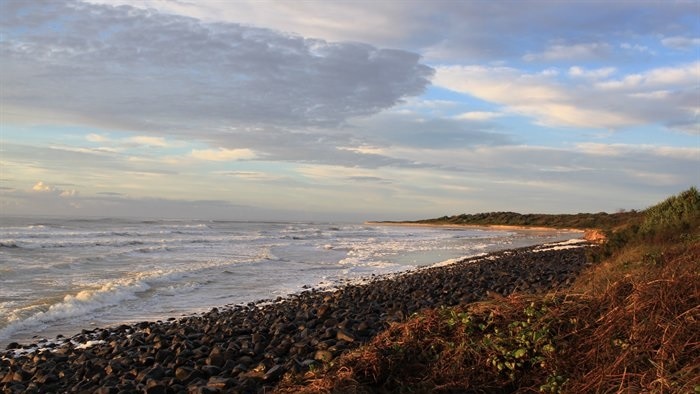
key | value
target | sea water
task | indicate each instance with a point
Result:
(58, 276)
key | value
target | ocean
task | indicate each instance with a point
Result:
(59, 276)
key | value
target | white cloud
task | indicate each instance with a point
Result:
(681, 42)
(222, 154)
(606, 103)
(682, 76)
(364, 149)
(637, 48)
(478, 115)
(250, 175)
(92, 137)
(148, 141)
(532, 95)
(618, 150)
(577, 71)
(583, 51)
(43, 188)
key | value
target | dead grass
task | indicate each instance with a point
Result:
(631, 324)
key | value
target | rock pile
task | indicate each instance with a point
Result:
(248, 348)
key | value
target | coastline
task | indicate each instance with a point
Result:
(249, 347)
(476, 226)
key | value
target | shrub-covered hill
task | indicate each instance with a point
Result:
(599, 220)
(629, 324)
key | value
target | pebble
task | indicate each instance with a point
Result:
(248, 348)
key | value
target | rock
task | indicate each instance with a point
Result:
(344, 335)
(216, 357)
(156, 387)
(184, 374)
(274, 373)
(106, 390)
(211, 370)
(220, 383)
(323, 355)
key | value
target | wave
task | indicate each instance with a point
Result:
(82, 304)
(11, 244)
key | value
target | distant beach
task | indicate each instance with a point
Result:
(476, 226)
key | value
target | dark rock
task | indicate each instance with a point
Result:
(106, 390)
(211, 370)
(216, 357)
(274, 373)
(156, 387)
(345, 336)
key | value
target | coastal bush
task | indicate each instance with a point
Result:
(629, 324)
(675, 215)
(601, 220)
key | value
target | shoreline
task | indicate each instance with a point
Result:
(250, 347)
(476, 226)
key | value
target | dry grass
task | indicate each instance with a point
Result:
(636, 330)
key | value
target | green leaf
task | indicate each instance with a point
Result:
(520, 353)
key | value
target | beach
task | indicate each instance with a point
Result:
(59, 276)
(248, 348)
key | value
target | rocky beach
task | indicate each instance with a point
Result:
(248, 348)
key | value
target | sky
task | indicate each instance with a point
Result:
(345, 110)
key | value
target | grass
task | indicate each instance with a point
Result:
(629, 324)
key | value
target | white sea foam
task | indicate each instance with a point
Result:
(564, 245)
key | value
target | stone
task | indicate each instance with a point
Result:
(216, 357)
(323, 355)
(274, 373)
(156, 387)
(344, 335)
(219, 382)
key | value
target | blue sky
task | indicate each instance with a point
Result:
(348, 110)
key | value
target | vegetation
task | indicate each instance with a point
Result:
(599, 220)
(629, 324)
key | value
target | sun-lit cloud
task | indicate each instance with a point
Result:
(533, 95)
(616, 150)
(608, 103)
(92, 137)
(148, 141)
(478, 115)
(43, 188)
(257, 176)
(222, 154)
(364, 149)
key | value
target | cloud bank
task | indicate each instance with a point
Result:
(140, 69)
